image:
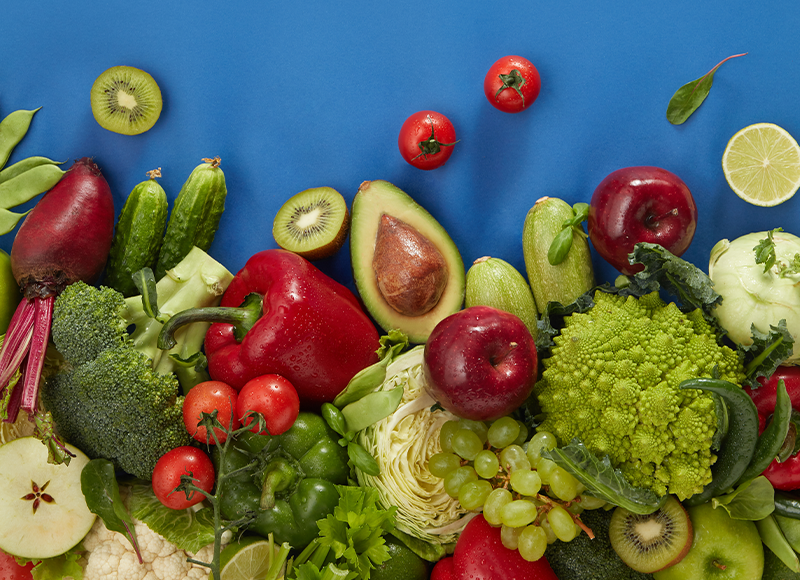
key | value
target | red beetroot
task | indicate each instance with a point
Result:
(65, 238)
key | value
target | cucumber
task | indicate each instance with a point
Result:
(195, 215)
(563, 282)
(139, 234)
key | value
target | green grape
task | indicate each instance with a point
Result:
(519, 513)
(446, 435)
(513, 457)
(466, 443)
(478, 427)
(590, 502)
(545, 468)
(563, 484)
(548, 530)
(540, 440)
(486, 464)
(440, 464)
(526, 482)
(473, 494)
(493, 505)
(458, 477)
(509, 536)
(523, 433)
(503, 432)
(532, 543)
(562, 523)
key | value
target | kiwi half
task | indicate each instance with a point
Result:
(126, 100)
(313, 223)
(652, 542)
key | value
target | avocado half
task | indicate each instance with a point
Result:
(379, 198)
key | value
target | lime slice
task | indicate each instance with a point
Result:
(248, 559)
(762, 164)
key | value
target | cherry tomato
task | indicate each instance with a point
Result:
(205, 398)
(512, 84)
(426, 139)
(168, 471)
(274, 397)
(10, 570)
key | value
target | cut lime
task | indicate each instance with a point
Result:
(250, 558)
(762, 164)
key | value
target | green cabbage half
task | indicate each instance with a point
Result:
(429, 519)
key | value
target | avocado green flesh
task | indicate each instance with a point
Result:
(377, 198)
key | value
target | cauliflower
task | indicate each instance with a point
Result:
(612, 378)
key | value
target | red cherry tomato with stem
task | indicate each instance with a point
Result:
(426, 139)
(205, 398)
(512, 84)
(274, 397)
(10, 570)
(169, 469)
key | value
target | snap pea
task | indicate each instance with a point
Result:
(372, 408)
(24, 165)
(773, 537)
(12, 130)
(27, 185)
(771, 440)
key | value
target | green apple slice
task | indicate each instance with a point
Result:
(42, 509)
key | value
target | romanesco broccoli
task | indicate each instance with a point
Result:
(612, 379)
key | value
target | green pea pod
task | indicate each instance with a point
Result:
(739, 445)
(771, 440)
(773, 538)
(372, 408)
(28, 185)
(24, 165)
(12, 130)
(365, 381)
(791, 530)
(362, 459)
(9, 220)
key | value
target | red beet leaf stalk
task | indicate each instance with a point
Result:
(65, 238)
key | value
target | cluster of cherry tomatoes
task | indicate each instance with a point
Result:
(272, 396)
(427, 138)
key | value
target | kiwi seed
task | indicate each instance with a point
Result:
(313, 223)
(652, 542)
(126, 100)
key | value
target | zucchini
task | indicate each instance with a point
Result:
(570, 278)
(195, 215)
(139, 234)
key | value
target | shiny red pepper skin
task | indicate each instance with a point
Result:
(786, 475)
(312, 330)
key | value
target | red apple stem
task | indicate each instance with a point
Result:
(652, 221)
(499, 357)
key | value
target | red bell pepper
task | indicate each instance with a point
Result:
(783, 475)
(282, 315)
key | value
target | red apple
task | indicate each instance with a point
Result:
(480, 363)
(640, 204)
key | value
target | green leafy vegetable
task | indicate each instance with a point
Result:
(767, 352)
(562, 243)
(753, 500)
(690, 96)
(67, 565)
(765, 254)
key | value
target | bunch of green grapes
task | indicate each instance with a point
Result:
(493, 467)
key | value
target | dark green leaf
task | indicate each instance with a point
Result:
(753, 500)
(766, 353)
(690, 96)
(560, 247)
(362, 459)
(765, 250)
(334, 418)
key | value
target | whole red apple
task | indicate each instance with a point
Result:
(640, 204)
(480, 363)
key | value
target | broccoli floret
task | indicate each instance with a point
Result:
(117, 396)
(612, 380)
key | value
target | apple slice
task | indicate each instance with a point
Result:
(42, 509)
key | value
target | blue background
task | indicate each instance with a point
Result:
(293, 95)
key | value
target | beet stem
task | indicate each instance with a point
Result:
(38, 347)
(17, 340)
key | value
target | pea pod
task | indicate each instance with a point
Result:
(24, 165)
(25, 186)
(740, 444)
(12, 130)
(774, 539)
(771, 440)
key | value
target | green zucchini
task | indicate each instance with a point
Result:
(195, 215)
(570, 278)
(138, 235)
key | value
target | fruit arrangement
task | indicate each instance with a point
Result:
(489, 422)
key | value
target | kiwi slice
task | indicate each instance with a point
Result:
(312, 223)
(652, 542)
(126, 100)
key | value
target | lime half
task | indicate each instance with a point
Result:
(762, 164)
(248, 559)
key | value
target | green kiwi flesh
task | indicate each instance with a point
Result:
(652, 542)
(126, 100)
(313, 223)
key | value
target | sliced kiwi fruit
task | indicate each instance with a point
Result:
(652, 542)
(126, 100)
(313, 223)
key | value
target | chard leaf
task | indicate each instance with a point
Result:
(766, 353)
(690, 96)
(602, 480)
(753, 500)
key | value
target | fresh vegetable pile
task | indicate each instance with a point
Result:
(445, 424)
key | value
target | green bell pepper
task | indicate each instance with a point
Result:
(293, 482)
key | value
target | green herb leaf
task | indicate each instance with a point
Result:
(362, 459)
(690, 96)
(753, 500)
(562, 243)
(99, 487)
(334, 418)
(765, 250)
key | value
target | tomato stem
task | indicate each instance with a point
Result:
(513, 80)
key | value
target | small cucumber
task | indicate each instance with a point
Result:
(195, 215)
(787, 505)
(495, 282)
(139, 234)
(567, 280)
